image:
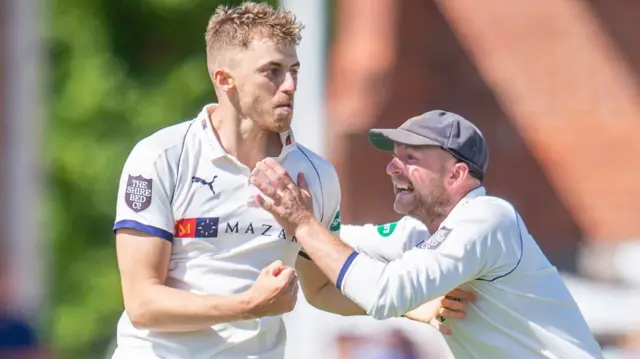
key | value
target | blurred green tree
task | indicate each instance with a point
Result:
(120, 70)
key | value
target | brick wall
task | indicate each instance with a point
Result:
(553, 86)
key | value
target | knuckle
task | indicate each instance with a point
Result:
(281, 172)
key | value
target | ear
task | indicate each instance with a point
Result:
(224, 80)
(460, 170)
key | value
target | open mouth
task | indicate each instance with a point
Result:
(403, 188)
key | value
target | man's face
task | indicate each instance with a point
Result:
(419, 176)
(266, 76)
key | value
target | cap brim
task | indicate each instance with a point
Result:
(383, 139)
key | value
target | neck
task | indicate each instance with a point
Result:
(243, 139)
(436, 214)
(435, 219)
(432, 211)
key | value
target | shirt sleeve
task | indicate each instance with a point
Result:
(145, 191)
(385, 242)
(474, 247)
(331, 198)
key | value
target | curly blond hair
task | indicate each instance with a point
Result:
(238, 26)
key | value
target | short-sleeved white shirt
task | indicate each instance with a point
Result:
(179, 184)
(523, 310)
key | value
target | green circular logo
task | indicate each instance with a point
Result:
(385, 230)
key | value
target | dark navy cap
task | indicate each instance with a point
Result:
(453, 133)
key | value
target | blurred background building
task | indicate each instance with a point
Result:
(553, 85)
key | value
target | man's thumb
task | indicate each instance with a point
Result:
(275, 268)
(302, 182)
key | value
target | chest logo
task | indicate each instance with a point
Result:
(197, 227)
(202, 181)
(436, 239)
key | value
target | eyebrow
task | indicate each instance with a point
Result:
(280, 64)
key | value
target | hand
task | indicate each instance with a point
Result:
(274, 292)
(290, 204)
(453, 306)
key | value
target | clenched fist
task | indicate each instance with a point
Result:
(274, 292)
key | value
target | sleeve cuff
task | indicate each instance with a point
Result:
(360, 282)
(345, 268)
(154, 231)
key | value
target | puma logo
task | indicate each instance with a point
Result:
(201, 181)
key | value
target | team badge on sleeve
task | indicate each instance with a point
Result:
(436, 239)
(335, 223)
(385, 230)
(138, 193)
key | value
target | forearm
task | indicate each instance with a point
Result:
(161, 308)
(328, 252)
(330, 299)
(379, 287)
(392, 289)
(320, 292)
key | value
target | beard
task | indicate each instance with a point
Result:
(269, 117)
(433, 204)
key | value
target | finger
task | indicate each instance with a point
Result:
(275, 268)
(265, 187)
(302, 182)
(267, 205)
(451, 314)
(454, 304)
(273, 165)
(462, 295)
(272, 176)
(440, 327)
(304, 188)
(287, 275)
(275, 171)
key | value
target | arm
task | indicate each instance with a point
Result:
(385, 242)
(320, 292)
(317, 288)
(392, 289)
(143, 261)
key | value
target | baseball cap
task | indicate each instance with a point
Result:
(450, 131)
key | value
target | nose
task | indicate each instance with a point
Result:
(394, 167)
(289, 84)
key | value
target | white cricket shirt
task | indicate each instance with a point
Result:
(385, 242)
(179, 184)
(523, 308)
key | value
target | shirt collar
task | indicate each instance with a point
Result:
(473, 194)
(206, 129)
